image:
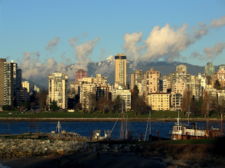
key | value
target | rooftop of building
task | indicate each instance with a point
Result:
(120, 56)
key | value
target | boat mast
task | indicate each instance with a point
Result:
(58, 127)
(207, 115)
(188, 113)
(123, 128)
(178, 117)
(148, 130)
(221, 122)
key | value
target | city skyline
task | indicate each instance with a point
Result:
(112, 83)
(46, 37)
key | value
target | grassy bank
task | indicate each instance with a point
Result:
(156, 115)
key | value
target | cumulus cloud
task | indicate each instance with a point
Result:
(37, 71)
(73, 41)
(218, 22)
(53, 43)
(200, 31)
(166, 42)
(210, 53)
(215, 50)
(131, 41)
(83, 51)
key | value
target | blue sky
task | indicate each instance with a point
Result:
(28, 25)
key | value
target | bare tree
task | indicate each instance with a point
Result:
(205, 104)
(187, 98)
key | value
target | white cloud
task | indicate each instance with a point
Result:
(214, 51)
(53, 43)
(83, 51)
(131, 46)
(210, 53)
(37, 71)
(218, 22)
(166, 42)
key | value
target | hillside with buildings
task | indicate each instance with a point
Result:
(115, 85)
(106, 67)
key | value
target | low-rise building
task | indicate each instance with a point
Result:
(176, 101)
(159, 101)
(27, 85)
(125, 95)
(91, 89)
(220, 75)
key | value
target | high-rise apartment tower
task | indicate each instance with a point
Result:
(57, 85)
(121, 70)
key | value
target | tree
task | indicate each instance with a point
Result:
(54, 106)
(7, 108)
(91, 102)
(196, 105)
(138, 104)
(187, 99)
(217, 85)
(42, 97)
(117, 105)
(205, 104)
(104, 104)
(208, 80)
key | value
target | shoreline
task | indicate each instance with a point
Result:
(108, 119)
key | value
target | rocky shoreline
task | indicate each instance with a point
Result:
(123, 154)
(17, 148)
(73, 150)
(39, 144)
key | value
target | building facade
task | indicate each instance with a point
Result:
(92, 89)
(209, 69)
(2, 62)
(79, 74)
(120, 70)
(136, 78)
(125, 95)
(152, 81)
(176, 101)
(57, 89)
(27, 85)
(220, 75)
(10, 83)
(159, 101)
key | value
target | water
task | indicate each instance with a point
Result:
(85, 128)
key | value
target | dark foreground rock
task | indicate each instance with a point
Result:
(162, 154)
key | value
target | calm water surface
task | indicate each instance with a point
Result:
(85, 128)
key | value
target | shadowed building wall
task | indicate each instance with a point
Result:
(2, 81)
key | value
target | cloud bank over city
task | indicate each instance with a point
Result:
(162, 43)
(167, 43)
(37, 70)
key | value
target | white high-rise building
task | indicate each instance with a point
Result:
(57, 89)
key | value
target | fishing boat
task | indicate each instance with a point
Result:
(182, 132)
(96, 135)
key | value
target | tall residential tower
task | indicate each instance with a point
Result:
(57, 86)
(121, 70)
